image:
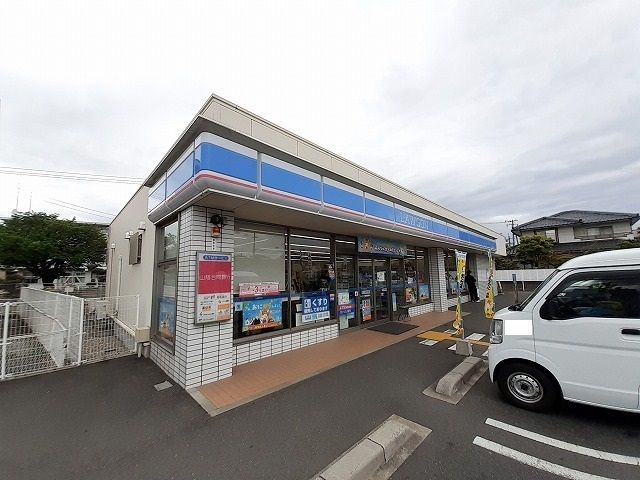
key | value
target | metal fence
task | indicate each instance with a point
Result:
(44, 331)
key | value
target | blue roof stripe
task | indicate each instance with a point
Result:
(341, 198)
(285, 181)
(217, 159)
(379, 210)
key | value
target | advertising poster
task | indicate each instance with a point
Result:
(365, 305)
(258, 289)
(423, 292)
(167, 317)
(262, 314)
(409, 295)
(316, 307)
(213, 287)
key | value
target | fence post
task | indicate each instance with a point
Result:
(69, 324)
(137, 310)
(5, 336)
(81, 331)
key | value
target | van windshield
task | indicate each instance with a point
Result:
(535, 292)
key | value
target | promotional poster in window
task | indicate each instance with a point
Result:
(258, 315)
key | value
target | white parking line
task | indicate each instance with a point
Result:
(589, 452)
(535, 461)
(476, 336)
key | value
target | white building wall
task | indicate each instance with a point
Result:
(125, 279)
(438, 279)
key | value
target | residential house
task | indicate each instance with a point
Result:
(582, 231)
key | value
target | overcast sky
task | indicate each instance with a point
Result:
(497, 110)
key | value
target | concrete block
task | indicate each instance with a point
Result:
(454, 380)
(391, 436)
(449, 384)
(463, 348)
(359, 463)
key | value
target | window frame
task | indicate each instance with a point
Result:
(598, 275)
(159, 264)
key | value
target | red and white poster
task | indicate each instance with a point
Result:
(213, 287)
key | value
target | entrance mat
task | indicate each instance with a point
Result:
(395, 328)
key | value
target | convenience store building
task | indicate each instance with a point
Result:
(247, 241)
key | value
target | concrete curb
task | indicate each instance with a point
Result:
(455, 384)
(378, 454)
(452, 381)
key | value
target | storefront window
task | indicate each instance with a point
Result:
(451, 274)
(422, 275)
(312, 277)
(411, 281)
(259, 255)
(164, 326)
(261, 301)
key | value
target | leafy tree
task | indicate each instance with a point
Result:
(535, 250)
(629, 243)
(48, 246)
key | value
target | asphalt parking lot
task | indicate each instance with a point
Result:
(107, 421)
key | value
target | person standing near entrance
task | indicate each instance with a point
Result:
(471, 286)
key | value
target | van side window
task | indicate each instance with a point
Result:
(595, 294)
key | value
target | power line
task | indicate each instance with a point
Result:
(80, 206)
(78, 210)
(87, 177)
(65, 172)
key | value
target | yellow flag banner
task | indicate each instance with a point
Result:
(457, 322)
(461, 264)
(489, 303)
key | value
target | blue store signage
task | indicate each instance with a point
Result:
(381, 246)
(316, 307)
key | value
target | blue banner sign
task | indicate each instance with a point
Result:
(315, 307)
(381, 246)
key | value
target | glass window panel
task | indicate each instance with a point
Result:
(166, 324)
(170, 242)
(259, 255)
(422, 274)
(312, 277)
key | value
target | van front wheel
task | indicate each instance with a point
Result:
(527, 386)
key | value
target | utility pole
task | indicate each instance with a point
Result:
(512, 223)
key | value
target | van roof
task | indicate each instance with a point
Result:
(628, 256)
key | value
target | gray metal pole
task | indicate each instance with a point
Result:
(5, 336)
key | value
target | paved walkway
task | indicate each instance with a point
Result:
(256, 379)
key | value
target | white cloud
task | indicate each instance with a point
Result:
(529, 104)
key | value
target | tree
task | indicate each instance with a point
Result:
(48, 246)
(635, 243)
(535, 250)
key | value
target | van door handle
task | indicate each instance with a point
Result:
(631, 331)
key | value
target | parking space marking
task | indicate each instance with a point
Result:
(589, 452)
(536, 462)
(475, 336)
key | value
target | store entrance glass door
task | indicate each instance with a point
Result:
(381, 288)
(346, 290)
(365, 277)
(397, 286)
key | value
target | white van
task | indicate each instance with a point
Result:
(577, 336)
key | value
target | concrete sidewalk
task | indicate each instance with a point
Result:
(256, 379)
